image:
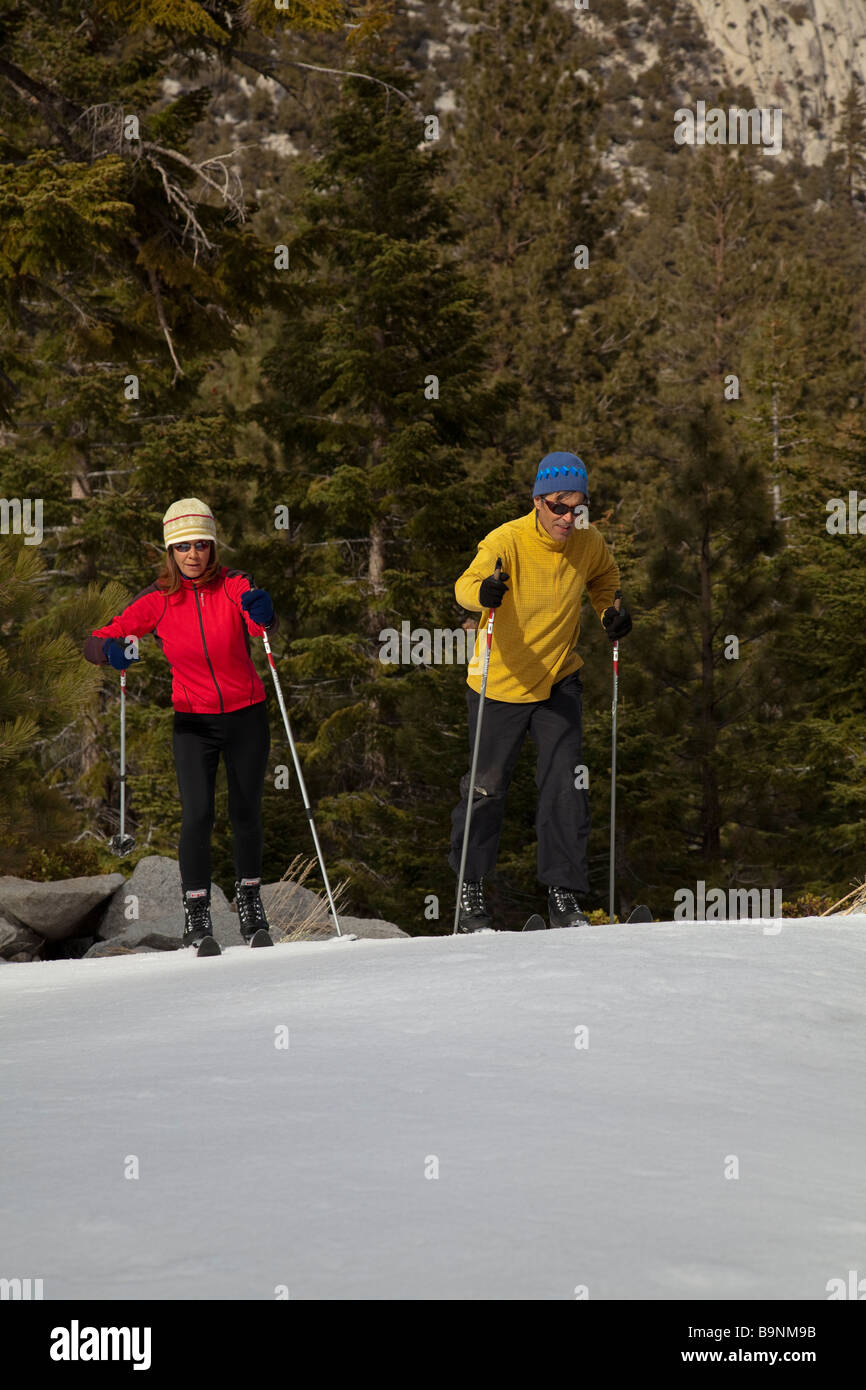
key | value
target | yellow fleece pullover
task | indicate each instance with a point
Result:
(537, 624)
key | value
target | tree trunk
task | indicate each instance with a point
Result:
(376, 562)
(80, 488)
(710, 811)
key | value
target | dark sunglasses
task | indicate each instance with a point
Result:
(559, 508)
(184, 546)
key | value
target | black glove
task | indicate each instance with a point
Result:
(113, 649)
(493, 590)
(617, 622)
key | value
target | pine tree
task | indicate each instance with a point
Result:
(127, 263)
(803, 363)
(715, 606)
(852, 139)
(533, 193)
(377, 397)
(45, 691)
(717, 595)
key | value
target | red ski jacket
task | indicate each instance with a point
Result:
(204, 634)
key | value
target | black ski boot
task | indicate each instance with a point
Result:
(198, 927)
(473, 909)
(563, 909)
(251, 913)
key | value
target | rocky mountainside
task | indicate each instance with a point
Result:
(799, 56)
(649, 58)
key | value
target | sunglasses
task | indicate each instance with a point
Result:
(559, 508)
(184, 546)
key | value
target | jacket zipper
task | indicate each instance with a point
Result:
(207, 658)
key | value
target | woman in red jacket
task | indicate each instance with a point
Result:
(202, 615)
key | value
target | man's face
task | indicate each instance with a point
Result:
(559, 528)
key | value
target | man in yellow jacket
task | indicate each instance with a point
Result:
(550, 556)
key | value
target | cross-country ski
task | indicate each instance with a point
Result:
(641, 913)
(206, 946)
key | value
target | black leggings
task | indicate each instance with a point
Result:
(244, 736)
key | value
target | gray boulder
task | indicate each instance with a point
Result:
(115, 948)
(18, 942)
(370, 927)
(56, 910)
(165, 934)
(153, 894)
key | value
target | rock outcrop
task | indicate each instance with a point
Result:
(56, 910)
(107, 915)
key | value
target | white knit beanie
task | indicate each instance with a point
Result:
(190, 519)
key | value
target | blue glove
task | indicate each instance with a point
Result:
(113, 649)
(259, 604)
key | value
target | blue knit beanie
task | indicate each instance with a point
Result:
(561, 473)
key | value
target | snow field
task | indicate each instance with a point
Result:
(545, 1116)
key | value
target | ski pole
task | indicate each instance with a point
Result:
(497, 571)
(301, 782)
(617, 603)
(122, 844)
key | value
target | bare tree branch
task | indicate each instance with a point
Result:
(160, 311)
(265, 66)
(59, 113)
(71, 300)
(105, 125)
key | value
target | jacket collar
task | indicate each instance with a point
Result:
(186, 585)
(541, 537)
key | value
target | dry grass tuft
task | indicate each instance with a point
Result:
(312, 922)
(856, 901)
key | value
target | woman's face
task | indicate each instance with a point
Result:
(192, 562)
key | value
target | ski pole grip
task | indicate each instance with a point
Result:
(498, 568)
(617, 600)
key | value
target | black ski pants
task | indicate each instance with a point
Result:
(562, 811)
(244, 738)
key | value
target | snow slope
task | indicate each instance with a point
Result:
(558, 1166)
